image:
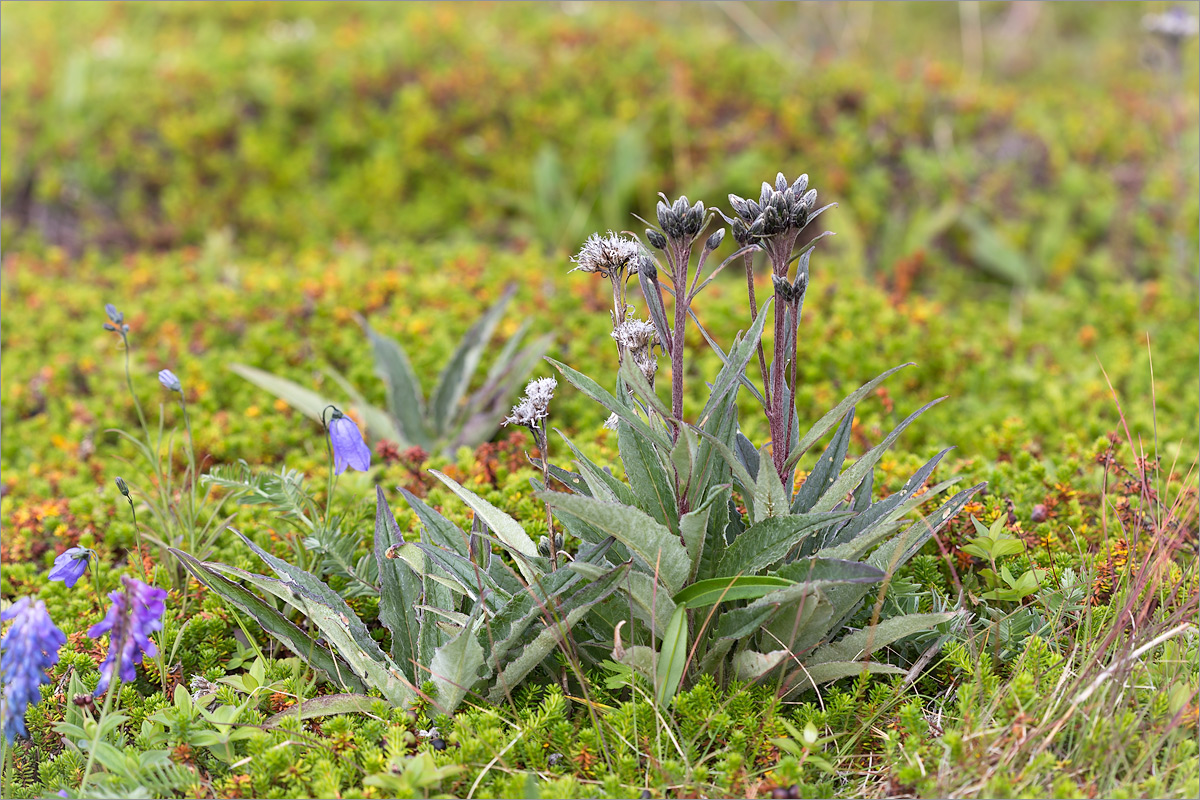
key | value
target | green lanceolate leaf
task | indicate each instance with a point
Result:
(642, 390)
(683, 456)
(647, 477)
(452, 383)
(770, 497)
(802, 680)
(845, 543)
(274, 623)
(650, 602)
(405, 401)
(838, 412)
(325, 706)
(672, 658)
(341, 626)
(399, 589)
(567, 614)
(693, 526)
(863, 643)
(601, 484)
(857, 471)
(653, 543)
(507, 529)
(896, 552)
(768, 541)
(455, 666)
(306, 401)
(717, 590)
(825, 471)
(440, 531)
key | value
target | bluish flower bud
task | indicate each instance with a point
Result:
(113, 314)
(714, 241)
(169, 381)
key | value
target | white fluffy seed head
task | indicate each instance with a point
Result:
(535, 405)
(608, 255)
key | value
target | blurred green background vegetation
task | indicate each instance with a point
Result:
(1017, 213)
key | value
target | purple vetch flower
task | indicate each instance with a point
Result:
(169, 381)
(135, 613)
(349, 449)
(28, 649)
(70, 566)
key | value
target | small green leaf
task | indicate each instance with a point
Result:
(715, 590)
(673, 657)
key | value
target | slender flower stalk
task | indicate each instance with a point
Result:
(776, 222)
(531, 411)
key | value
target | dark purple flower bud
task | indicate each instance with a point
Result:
(800, 185)
(108, 326)
(29, 648)
(169, 381)
(714, 241)
(741, 208)
(764, 196)
(665, 215)
(781, 183)
(70, 566)
(656, 239)
(810, 198)
(349, 449)
(693, 219)
(135, 613)
(122, 487)
(113, 314)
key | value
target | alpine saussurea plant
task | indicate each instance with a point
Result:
(706, 558)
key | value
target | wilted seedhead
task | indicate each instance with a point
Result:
(611, 255)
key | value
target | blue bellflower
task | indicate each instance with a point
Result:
(349, 449)
(135, 613)
(28, 649)
(70, 565)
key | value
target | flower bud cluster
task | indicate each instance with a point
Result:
(680, 222)
(782, 211)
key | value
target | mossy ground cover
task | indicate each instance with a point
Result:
(243, 180)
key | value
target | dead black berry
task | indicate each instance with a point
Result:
(438, 744)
